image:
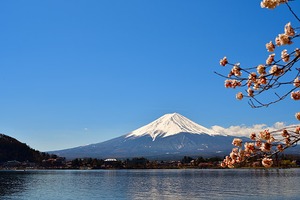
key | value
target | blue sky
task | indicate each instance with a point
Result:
(80, 72)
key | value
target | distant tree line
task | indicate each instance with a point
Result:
(16, 154)
(142, 163)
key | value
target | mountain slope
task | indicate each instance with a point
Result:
(12, 149)
(170, 124)
(167, 137)
(173, 146)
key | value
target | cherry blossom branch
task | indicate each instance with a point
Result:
(262, 146)
(282, 72)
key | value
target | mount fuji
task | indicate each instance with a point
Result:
(168, 137)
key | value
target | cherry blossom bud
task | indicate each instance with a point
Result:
(239, 96)
(237, 142)
(249, 147)
(280, 148)
(233, 155)
(288, 29)
(258, 143)
(284, 39)
(275, 70)
(295, 95)
(285, 56)
(249, 83)
(261, 69)
(250, 92)
(267, 162)
(236, 70)
(270, 46)
(297, 115)
(297, 82)
(285, 133)
(241, 153)
(252, 76)
(265, 135)
(270, 59)
(223, 164)
(256, 86)
(277, 41)
(266, 147)
(263, 80)
(223, 61)
(235, 150)
(252, 136)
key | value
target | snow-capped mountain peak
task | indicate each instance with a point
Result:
(170, 124)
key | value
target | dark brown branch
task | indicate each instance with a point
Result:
(260, 104)
(292, 11)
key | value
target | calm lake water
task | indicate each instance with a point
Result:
(150, 184)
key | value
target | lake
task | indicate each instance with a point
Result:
(150, 184)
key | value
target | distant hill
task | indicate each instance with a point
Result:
(12, 149)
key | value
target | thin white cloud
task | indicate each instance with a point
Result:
(243, 130)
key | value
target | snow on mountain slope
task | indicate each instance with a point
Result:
(170, 136)
(170, 124)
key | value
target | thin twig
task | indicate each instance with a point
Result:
(292, 11)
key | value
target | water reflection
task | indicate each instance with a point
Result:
(215, 184)
(11, 183)
(150, 184)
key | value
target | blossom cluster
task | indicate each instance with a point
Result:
(232, 83)
(264, 144)
(283, 39)
(272, 73)
(271, 4)
(266, 75)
